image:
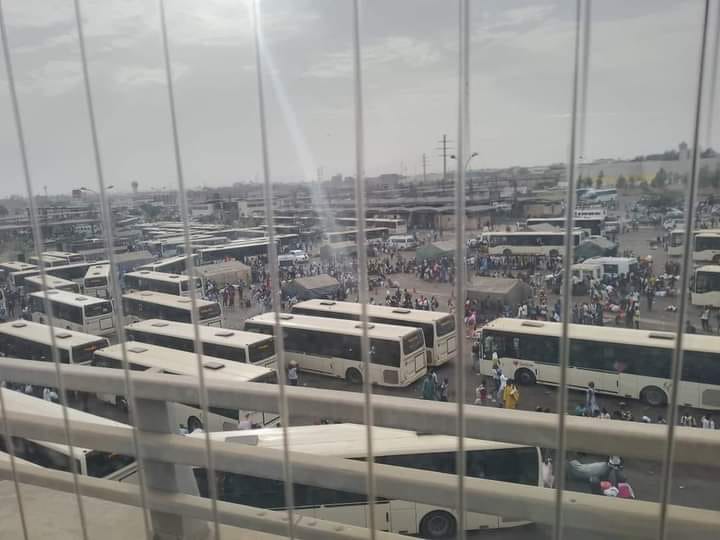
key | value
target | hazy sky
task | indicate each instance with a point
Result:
(642, 84)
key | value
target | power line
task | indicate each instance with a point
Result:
(445, 148)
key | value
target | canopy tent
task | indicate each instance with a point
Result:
(308, 288)
(436, 250)
(596, 247)
(225, 272)
(505, 290)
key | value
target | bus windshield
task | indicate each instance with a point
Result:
(208, 312)
(101, 308)
(102, 464)
(261, 351)
(96, 282)
(84, 353)
(413, 342)
(445, 325)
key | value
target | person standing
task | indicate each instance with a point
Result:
(476, 356)
(705, 319)
(502, 383)
(444, 388)
(293, 374)
(590, 400)
(511, 395)
(428, 388)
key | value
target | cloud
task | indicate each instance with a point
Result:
(132, 76)
(52, 79)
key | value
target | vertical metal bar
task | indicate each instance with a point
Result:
(38, 243)
(190, 269)
(107, 228)
(581, 59)
(460, 266)
(678, 353)
(713, 78)
(274, 272)
(360, 211)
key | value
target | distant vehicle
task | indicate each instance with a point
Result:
(147, 280)
(9, 267)
(141, 305)
(706, 247)
(615, 266)
(36, 283)
(98, 281)
(705, 290)
(531, 243)
(502, 207)
(507, 463)
(607, 195)
(293, 256)
(403, 241)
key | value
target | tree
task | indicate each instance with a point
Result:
(660, 179)
(151, 211)
(621, 183)
(134, 184)
(632, 181)
(3, 211)
(599, 180)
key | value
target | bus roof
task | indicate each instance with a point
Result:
(165, 299)
(576, 230)
(714, 268)
(17, 402)
(98, 270)
(64, 339)
(208, 334)
(626, 336)
(354, 308)
(183, 362)
(349, 440)
(52, 281)
(61, 254)
(67, 297)
(159, 276)
(17, 266)
(338, 326)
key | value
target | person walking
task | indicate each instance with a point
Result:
(428, 388)
(476, 356)
(293, 374)
(705, 319)
(444, 388)
(502, 383)
(511, 395)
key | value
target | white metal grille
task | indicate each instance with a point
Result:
(152, 444)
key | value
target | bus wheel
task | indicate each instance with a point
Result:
(438, 524)
(194, 423)
(525, 377)
(652, 395)
(353, 376)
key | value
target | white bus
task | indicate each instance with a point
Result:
(146, 280)
(48, 260)
(403, 241)
(437, 326)
(35, 284)
(98, 281)
(615, 266)
(549, 244)
(9, 267)
(600, 195)
(171, 265)
(74, 312)
(31, 340)
(332, 347)
(75, 271)
(677, 239)
(705, 290)
(438, 453)
(622, 362)
(706, 246)
(59, 456)
(234, 345)
(67, 256)
(154, 359)
(141, 305)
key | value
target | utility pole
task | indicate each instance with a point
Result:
(444, 154)
(424, 164)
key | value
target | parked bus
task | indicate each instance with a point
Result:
(98, 281)
(332, 347)
(403, 241)
(146, 280)
(142, 305)
(615, 266)
(171, 265)
(35, 284)
(350, 235)
(234, 345)
(74, 312)
(488, 460)
(241, 249)
(10, 267)
(67, 256)
(438, 327)
(603, 196)
(31, 340)
(58, 456)
(549, 244)
(627, 363)
(585, 218)
(706, 247)
(154, 359)
(48, 260)
(677, 240)
(705, 290)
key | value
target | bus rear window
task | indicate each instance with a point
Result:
(261, 351)
(101, 308)
(208, 312)
(102, 464)
(413, 342)
(445, 325)
(96, 282)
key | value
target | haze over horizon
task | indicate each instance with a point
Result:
(643, 68)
